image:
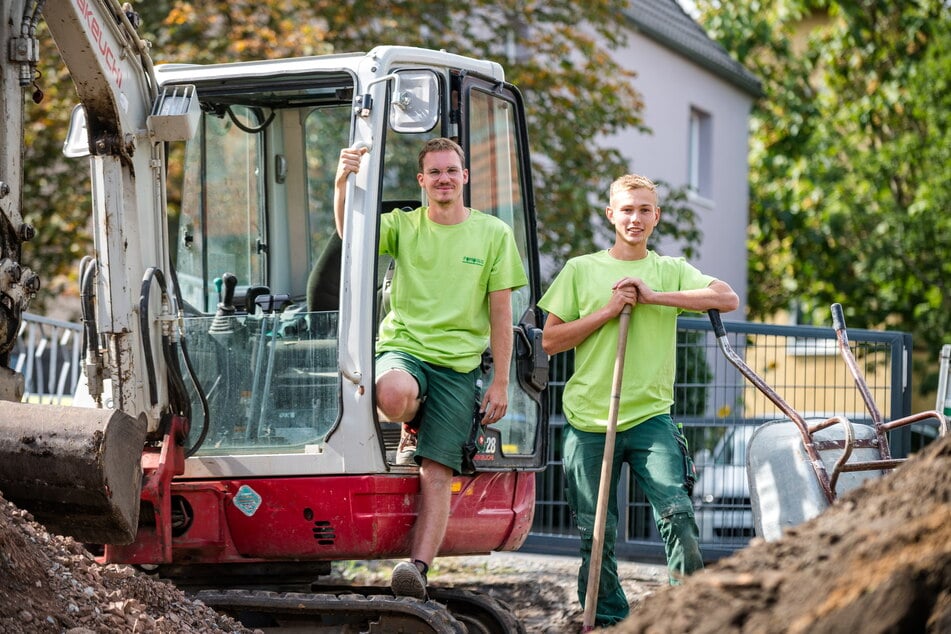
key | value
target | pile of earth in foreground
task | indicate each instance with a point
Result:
(878, 560)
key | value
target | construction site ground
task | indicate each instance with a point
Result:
(879, 560)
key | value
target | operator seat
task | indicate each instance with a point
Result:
(323, 283)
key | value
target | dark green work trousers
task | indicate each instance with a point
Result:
(659, 465)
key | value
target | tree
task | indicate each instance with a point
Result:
(56, 200)
(849, 176)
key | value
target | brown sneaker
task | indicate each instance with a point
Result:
(406, 450)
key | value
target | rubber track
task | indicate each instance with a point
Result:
(432, 616)
(492, 616)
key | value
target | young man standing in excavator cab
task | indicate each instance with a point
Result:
(583, 304)
(450, 298)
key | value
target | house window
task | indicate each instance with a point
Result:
(700, 154)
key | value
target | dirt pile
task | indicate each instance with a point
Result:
(879, 560)
(50, 583)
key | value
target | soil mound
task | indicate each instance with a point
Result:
(50, 583)
(878, 560)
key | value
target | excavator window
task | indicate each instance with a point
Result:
(220, 224)
(498, 186)
(267, 361)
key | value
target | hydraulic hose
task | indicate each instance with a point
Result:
(144, 296)
(202, 397)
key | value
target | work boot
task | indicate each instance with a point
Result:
(409, 580)
(406, 450)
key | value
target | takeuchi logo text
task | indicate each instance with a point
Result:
(105, 48)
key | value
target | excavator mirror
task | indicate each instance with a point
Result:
(415, 103)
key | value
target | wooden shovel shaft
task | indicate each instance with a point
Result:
(607, 464)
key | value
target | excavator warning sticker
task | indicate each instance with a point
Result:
(247, 500)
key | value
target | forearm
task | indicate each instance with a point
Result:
(349, 164)
(501, 338)
(718, 295)
(340, 198)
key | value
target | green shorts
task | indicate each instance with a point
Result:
(447, 410)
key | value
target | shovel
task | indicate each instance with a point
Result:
(607, 464)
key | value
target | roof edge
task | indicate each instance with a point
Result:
(732, 71)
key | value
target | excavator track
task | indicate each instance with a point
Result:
(370, 610)
(481, 613)
(345, 613)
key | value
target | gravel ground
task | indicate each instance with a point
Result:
(540, 589)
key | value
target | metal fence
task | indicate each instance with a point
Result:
(48, 354)
(716, 405)
(719, 409)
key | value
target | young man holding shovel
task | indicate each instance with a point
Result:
(584, 303)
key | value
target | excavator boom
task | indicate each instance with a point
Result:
(77, 468)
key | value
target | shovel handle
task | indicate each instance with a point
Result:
(607, 465)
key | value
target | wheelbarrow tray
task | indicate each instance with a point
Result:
(784, 489)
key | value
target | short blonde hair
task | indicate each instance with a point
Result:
(630, 182)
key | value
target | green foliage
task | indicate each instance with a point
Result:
(850, 182)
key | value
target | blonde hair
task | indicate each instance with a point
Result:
(630, 182)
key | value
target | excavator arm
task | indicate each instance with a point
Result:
(17, 286)
(79, 470)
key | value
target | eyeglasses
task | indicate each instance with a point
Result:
(451, 172)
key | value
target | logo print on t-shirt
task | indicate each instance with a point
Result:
(471, 260)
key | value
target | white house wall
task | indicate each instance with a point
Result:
(670, 86)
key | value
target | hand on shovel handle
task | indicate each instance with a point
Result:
(607, 464)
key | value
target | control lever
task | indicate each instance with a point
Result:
(222, 324)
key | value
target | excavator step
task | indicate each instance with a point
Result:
(77, 470)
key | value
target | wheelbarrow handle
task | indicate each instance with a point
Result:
(716, 322)
(838, 317)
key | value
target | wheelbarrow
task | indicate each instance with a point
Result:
(796, 468)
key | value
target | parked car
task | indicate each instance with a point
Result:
(722, 493)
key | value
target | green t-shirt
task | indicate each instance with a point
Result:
(583, 287)
(440, 294)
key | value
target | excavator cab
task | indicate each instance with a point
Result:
(260, 269)
(279, 316)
